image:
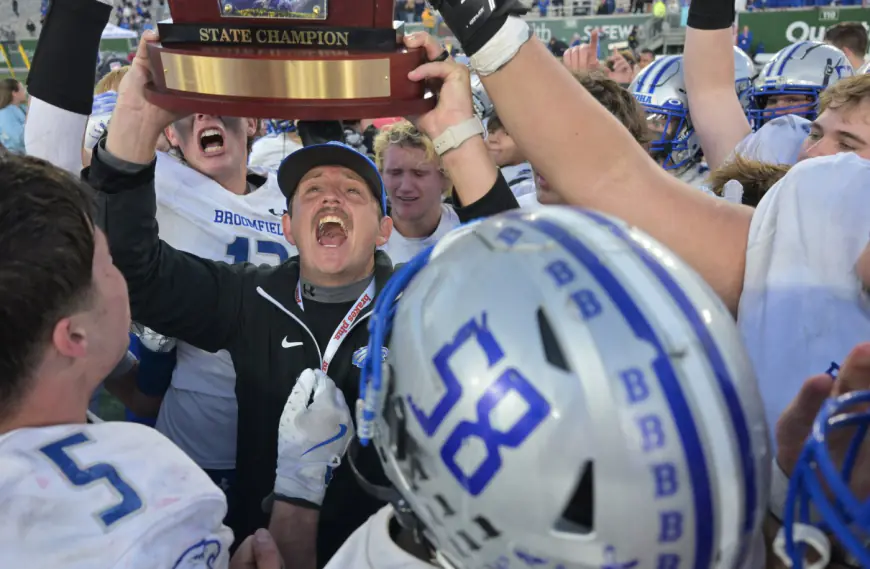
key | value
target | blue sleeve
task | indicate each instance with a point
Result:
(155, 371)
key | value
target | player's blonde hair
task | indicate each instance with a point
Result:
(845, 94)
(111, 80)
(619, 101)
(756, 177)
(403, 133)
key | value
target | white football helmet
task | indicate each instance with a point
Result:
(101, 113)
(805, 68)
(744, 73)
(661, 91)
(483, 106)
(561, 390)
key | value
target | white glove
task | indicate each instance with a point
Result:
(311, 438)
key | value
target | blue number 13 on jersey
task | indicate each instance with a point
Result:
(100, 472)
(240, 251)
(510, 381)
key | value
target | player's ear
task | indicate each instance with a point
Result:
(69, 337)
(384, 230)
(286, 227)
(251, 127)
(171, 136)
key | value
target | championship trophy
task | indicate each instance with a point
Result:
(286, 59)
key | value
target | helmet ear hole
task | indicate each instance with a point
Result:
(579, 514)
(552, 350)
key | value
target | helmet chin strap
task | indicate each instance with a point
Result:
(809, 535)
(403, 512)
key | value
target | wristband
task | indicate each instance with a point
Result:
(711, 15)
(454, 136)
(501, 47)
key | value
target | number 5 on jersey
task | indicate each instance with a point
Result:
(130, 502)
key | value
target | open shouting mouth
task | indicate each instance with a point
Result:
(332, 229)
(211, 140)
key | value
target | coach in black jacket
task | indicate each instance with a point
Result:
(276, 322)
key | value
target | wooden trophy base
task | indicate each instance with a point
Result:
(287, 84)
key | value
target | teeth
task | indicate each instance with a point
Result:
(210, 132)
(331, 219)
(213, 149)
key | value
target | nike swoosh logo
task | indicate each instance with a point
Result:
(286, 344)
(342, 430)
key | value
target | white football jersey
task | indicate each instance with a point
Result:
(777, 142)
(371, 547)
(802, 308)
(199, 216)
(520, 178)
(269, 151)
(529, 202)
(402, 249)
(111, 495)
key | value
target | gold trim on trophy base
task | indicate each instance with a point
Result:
(278, 79)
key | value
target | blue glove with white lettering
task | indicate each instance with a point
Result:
(312, 438)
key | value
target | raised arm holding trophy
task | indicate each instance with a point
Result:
(299, 59)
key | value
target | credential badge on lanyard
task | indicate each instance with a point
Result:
(344, 326)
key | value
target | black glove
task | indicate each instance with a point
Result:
(474, 22)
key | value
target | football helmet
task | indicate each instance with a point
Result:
(661, 91)
(560, 390)
(483, 106)
(819, 499)
(863, 69)
(804, 68)
(277, 126)
(744, 73)
(101, 113)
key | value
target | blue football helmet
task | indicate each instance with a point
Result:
(661, 91)
(818, 483)
(805, 69)
(275, 126)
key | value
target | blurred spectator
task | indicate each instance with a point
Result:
(632, 38)
(557, 47)
(429, 20)
(744, 39)
(15, 8)
(647, 56)
(851, 37)
(13, 111)
(31, 27)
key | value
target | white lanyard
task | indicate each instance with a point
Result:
(340, 333)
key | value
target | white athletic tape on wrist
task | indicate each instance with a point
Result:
(502, 47)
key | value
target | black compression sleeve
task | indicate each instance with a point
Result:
(711, 14)
(64, 66)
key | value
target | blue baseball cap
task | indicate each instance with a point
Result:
(294, 167)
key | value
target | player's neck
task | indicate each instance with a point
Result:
(350, 275)
(418, 228)
(55, 401)
(235, 181)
